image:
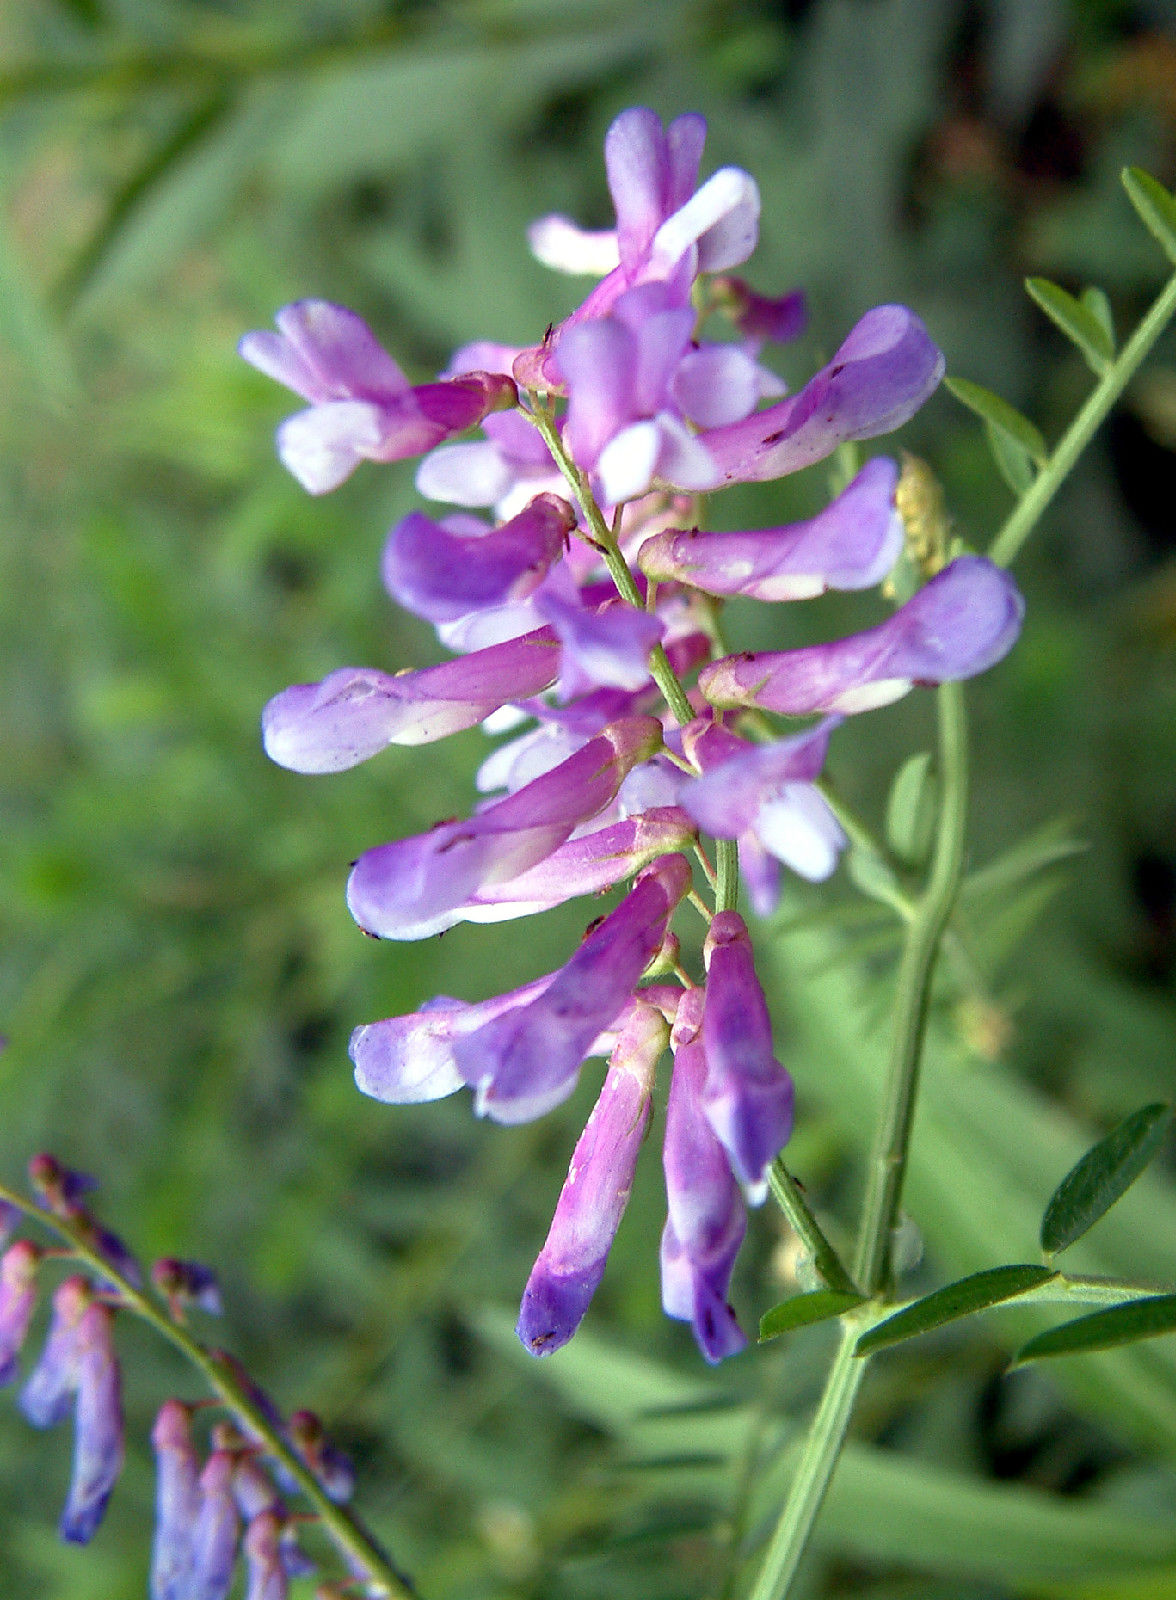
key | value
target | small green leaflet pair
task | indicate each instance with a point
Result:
(1085, 1194)
(1017, 446)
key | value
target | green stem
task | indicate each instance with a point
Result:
(1028, 510)
(924, 935)
(660, 670)
(787, 1194)
(344, 1528)
(726, 874)
(814, 1471)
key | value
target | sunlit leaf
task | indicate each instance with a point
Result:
(955, 1300)
(1103, 1330)
(1076, 320)
(803, 1309)
(1104, 1173)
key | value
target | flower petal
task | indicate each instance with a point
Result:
(356, 712)
(962, 622)
(878, 379)
(851, 544)
(596, 1190)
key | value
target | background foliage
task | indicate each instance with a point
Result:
(178, 973)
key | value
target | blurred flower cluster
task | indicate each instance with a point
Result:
(208, 1511)
(579, 599)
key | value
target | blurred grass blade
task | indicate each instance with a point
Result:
(1001, 416)
(1104, 1173)
(1103, 1330)
(955, 1300)
(1076, 320)
(803, 1309)
(1156, 207)
(207, 115)
(1044, 847)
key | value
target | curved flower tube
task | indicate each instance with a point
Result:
(961, 623)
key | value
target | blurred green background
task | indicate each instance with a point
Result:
(179, 974)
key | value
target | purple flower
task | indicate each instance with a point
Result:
(214, 1533)
(962, 622)
(356, 712)
(526, 1060)
(47, 1394)
(505, 469)
(415, 887)
(767, 792)
(98, 1429)
(60, 1187)
(187, 1283)
(18, 1299)
(268, 1579)
(603, 647)
(758, 317)
(664, 227)
(362, 406)
(177, 1502)
(747, 1095)
(706, 1218)
(10, 1218)
(618, 370)
(330, 1466)
(445, 570)
(851, 544)
(596, 1190)
(877, 380)
(521, 1052)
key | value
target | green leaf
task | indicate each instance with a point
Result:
(1096, 302)
(1104, 1173)
(1077, 321)
(953, 1301)
(1013, 461)
(910, 811)
(1102, 1330)
(803, 1309)
(1001, 416)
(874, 876)
(1044, 847)
(1156, 207)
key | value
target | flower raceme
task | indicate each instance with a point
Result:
(576, 616)
(208, 1513)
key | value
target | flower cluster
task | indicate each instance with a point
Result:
(207, 1511)
(578, 596)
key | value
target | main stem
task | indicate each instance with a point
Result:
(925, 930)
(924, 935)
